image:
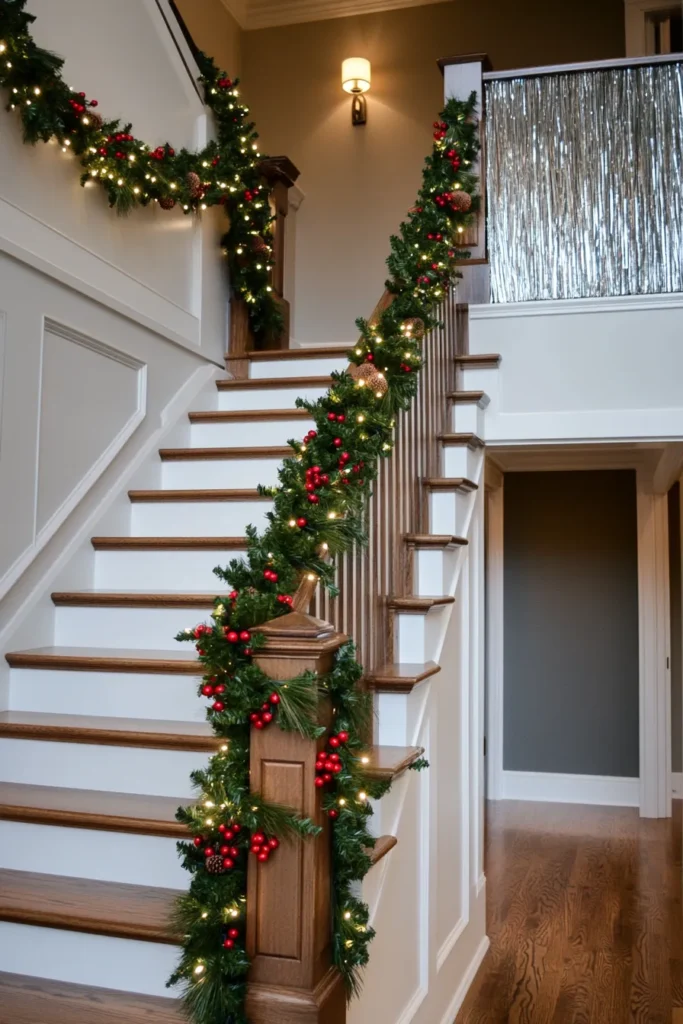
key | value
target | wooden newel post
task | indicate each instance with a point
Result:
(289, 922)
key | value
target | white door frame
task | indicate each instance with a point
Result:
(655, 780)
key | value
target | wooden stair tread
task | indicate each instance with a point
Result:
(478, 360)
(197, 494)
(29, 1000)
(381, 848)
(450, 483)
(390, 762)
(108, 659)
(463, 397)
(169, 543)
(132, 599)
(397, 677)
(254, 383)
(249, 415)
(260, 452)
(156, 734)
(434, 540)
(413, 603)
(467, 438)
(92, 809)
(298, 353)
(84, 905)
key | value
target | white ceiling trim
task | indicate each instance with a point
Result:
(254, 14)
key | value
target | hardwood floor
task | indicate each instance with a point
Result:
(584, 916)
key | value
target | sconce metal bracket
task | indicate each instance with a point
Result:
(359, 109)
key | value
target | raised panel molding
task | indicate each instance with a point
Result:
(67, 435)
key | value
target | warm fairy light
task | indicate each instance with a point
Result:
(347, 915)
(360, 419)
(362, 795)
(209, 821)
(342, 802)
(331, 515)
(120, 181)
(360, 383)
(3, 47)
(365, 760)
(325, 547)
(204, 916)
(173, 186)
(224, 748)
(292, 522)
(136, 190)
(209, 803)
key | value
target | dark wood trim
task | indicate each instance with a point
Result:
(279, 169)
(249, 415)
(469, 440)
(382, 847)
(110, 732)
(473, 261)
(83, 905)
(464, 397)
(130, 599)
(319, 352)
(434, 540)
(92, 809)
(450, 483)
(218, 454)
(237, 494)
(466, 58)
(169, 543)
(418, 605)
(401, 677)
(100, 659)
(478, 361)
(389, 762)
(256, 383)
(28, 1000)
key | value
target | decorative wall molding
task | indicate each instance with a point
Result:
(563, 307)
(464, 986)
(551, 787)
(255, 14)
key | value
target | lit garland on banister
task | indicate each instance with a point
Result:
(318, 507)
(133, 173)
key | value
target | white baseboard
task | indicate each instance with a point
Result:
(677, 785)
(464, 986)
(570, 789)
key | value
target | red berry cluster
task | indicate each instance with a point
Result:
(285, 599)
(214, 689)
(336, 417)
(328, 763)
(315, 479)
(435, 238)
(250, 194)
(262, 847)
(454, 158)
(227, 852)
(270, 575)
(440, 129)
(260, 719)
(161, 152)
(224, 83)
(310, 436)
(446, 199)
(230, 936)
(343, 459)
(406, 368)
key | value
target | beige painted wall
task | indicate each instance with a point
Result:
(359, 182)
(215, 31)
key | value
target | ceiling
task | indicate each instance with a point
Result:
(253, 14)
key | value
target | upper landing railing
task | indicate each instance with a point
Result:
(583, 170)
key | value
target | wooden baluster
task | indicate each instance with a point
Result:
(292, 980)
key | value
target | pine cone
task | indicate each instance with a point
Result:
(413, 326)
(374, 379)
(167, 202)
(214, 865)
(461, 201)
(259, 246)
(194, 184)
(94, 119)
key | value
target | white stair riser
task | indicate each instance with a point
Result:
(161, 570)
(267, 398)
(257, 432)
(434, 571)
(86, 766)
(396, 714)
(418, 635)
(448, 511)
(82, 959)
(217, 474)
(468, 418)
(459, 460)
(139, 628)
(197, 518)
(84, 853)
(115, 694)
(319, 366)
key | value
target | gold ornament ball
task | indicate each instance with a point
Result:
(461, 201)
(413, 327)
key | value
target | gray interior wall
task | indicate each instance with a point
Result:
(676, 622)
(571, 623)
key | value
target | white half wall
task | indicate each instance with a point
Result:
(578, 370)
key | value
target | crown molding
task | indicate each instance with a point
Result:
(269, 13)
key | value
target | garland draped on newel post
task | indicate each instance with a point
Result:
(318, 506)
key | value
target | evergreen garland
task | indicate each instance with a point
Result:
(318, 507)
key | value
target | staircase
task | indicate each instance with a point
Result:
(104, 727)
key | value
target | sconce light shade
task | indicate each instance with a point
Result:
(356, 76)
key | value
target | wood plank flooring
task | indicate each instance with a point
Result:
(584, 916)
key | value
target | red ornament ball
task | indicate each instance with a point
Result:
(343, 737)
(245, 635)
(232, 637)
(333, 814)
(207, 690)
(334, 741)
(274, 698)
(228, 944)
(218, 705)
(320, 782)
(337, 442)
(301, 522)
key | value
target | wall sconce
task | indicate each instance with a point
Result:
(356, 80)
